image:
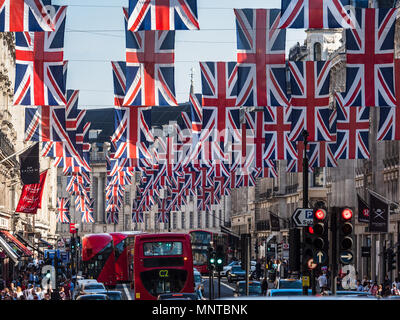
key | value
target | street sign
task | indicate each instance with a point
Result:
(366, 252)
(310, 264)
(72, 228)
(305, 281)
(320, 257)
(303, 217)
(346, 257)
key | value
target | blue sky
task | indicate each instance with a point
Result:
(95, 36)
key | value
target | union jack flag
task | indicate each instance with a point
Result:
(39, 76)
(45, 123)
(261, 58)
(163, 15)
(132, 133)
(277, 128)
(150, 71)
(316, 14)
(119, 71)
(389, 117)
(87, 215)
(322, 154)
(137, 214)
(296, 165)
(221, 118)
(25, 15)
(352, 132)
(164, 210)
(113, 215)
(309, 101)
(370, 59)
(63, 210)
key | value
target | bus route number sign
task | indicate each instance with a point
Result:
(163, 273)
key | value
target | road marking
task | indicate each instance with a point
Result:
(128, 295)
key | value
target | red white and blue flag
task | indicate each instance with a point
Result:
(163, 15)
(309, 100)
(45, 123)
(26, 15)
(261, 58)
(63, 205)
(164, 210)
(389, 117)
(352, 141)
(316, 14)
(150, 70)
(370, 59)
(221, 119)
(322, 154)
(39, 75)
(88, 214)
(119, 79)
(277, 128)
(132, 134)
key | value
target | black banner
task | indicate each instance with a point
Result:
(363, 210)
(379, 215)
(29, 170)
(275, 226)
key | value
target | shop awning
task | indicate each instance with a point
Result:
(44, 243)
(18, 243)
(9, 251)
(28, 244)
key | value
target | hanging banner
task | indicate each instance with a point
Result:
(29, 170)
(31, 196)
(379, 215)
(363, 210)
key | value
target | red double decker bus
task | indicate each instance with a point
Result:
(123, 250)
(163, 264)
(201, 240)
(98, 258)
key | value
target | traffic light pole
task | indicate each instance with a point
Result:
(304, 270)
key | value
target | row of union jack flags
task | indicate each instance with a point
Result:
(51, 111)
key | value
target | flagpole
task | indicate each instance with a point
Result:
(16, 153)
(382, 197)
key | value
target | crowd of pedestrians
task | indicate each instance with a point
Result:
(29, 285)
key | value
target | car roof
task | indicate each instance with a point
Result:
(91, 296)
(250, 282)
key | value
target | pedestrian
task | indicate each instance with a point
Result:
(199, 292)
(19, 292)
(379, 292)
(258, 269)
(264, 286)
(374, 289)
(394, 291)
(62, 294)
(359, 286)
(323, 282)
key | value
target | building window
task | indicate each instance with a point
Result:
(199, 220)
(318, 177)
(208, 219)
(183, 220)
(174, 221)
(146, 221)
(317, 52)
(213, 219)
(191, 220)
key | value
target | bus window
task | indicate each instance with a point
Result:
(162, 249)
(163, 281)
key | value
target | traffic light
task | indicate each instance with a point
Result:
(72, 244)
(211, 259)
(320, 236)
(307, 252)
(219, 258)
(391, 260)
(345, 235)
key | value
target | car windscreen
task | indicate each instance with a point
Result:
(253, 288)
(237, 269)
(94, 287)
(290, 284)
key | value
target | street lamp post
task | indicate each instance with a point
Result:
(305, 272)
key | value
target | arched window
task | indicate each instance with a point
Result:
(317, 52)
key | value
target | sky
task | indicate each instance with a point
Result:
(95, 36)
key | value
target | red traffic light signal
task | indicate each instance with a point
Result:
(347, 214)
(320, 214)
